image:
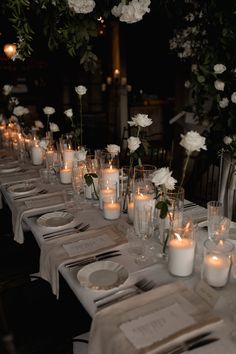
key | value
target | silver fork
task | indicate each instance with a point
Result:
(139, 287)
(78, 228)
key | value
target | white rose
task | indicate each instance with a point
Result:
(38, 124)
(133, 12)
(193, 141)
(14, 101)
(48, 110)
(113, 149)
(163, 177)
(133, 143)
(194, 68)
(187, 84)
(233, 97)
(227, 140)
(19, 111)
(219, 68)
(81, 155)
(43, 144)
(69, 113)
(26, 110)
(54, 127)
(140, 120)
(219, 85)
(80, 90)
(82, 6)
(6, 90)
(224, 102)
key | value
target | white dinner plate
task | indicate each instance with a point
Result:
(22, 189)
(10, 169)
(102, 275)
(55, 220)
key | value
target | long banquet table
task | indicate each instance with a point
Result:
(25, 216)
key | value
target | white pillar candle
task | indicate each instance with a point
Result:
(181, 256)
(65, 175)
(68, 157)
(106, 194)
(140, 201)
(216, 269)
(111, 210)
(89, 190)
(131, 211)
(36, 155)
(111, 174)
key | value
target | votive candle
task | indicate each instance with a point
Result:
(111, 210)
(181, 254)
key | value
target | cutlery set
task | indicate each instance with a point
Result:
(139, 287)
(43, 191)
(79, 228)
(91, 259)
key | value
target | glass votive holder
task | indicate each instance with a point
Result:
(181, 250)
(111, 209)
(65, 175)
(107, 191)
(217, 262)
(44, 176)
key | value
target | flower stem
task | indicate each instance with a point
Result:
(81, 121)
(184, 170)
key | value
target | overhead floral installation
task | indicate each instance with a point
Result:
(204, 35)
(72, 24)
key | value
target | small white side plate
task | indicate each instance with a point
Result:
(102, 275)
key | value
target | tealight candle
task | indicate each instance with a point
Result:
(36, 155)
(68, 157)
(181, 256)
(111, 210)
(111, 174)
(65, 175)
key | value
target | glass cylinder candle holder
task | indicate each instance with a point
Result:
(36, 153)
(217, 262)
(111, 174)
(107, 191)
(65, 174)
(143, 197)
(181, 250)
(111, 209)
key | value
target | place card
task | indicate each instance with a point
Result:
(90, 245)
(156, 326)
(207, 293)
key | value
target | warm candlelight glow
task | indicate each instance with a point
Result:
(10, 50)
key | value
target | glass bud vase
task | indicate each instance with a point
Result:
(174, 217)
(126, 186)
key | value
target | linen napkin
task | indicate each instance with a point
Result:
(31, 206)
(142, 324)
(55, 253)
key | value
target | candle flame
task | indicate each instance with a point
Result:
(215, 258)
(221, 243)
(66, 166)
(178, 236)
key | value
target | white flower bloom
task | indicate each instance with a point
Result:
(80, 90)
(82, 6)
(14, 101)
(227, 140)
(113, 149)
(54, 127)
(233, 97)
(133, 12)
(194, 68)
(187, 84)
(6, 90)
(219, 85)
(69, 113)
(219, 68)
(193, 141)
(224, 102)
(133, 143)
(38, 124)
(26, 110)
(48, 110)
(81, 154)
(19, 111)
(163, 177)
(140, 120)
(43, 144)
